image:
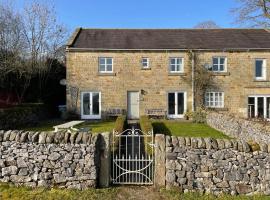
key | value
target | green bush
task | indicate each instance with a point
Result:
(120, 123)
(146, 124)
(22, 116)
(199, 116)
(147, 128)
(119, 127)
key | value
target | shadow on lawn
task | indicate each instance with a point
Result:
(160, 127)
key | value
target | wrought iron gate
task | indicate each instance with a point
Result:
(133, 157)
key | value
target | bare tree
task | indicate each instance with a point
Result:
(44, 37)
(203, 79)
(207, 25)
(29, 42)
(253, 13)
(10, 38)
(12, 44)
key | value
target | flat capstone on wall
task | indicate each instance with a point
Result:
(212, 165)
(48, 159)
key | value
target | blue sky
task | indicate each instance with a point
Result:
(143, 13)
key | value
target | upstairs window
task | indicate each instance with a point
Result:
(260, 69)
(219, 64)
(105, 65)
(176, 65)
(214, 99)
(145, 63)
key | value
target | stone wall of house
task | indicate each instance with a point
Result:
(237, 82)
(62, 159)
(240, 128)
(128, 75)
(212, 165)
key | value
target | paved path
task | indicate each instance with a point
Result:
(134, 146)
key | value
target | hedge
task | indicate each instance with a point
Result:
(146, 127)
(146, 124)
(120, 123)
(119, 127)
(21, 116)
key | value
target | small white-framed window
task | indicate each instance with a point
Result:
(105, 65)
(219, 64)
(214, 99)
(260, 69)
(176, 65)
(145, 63)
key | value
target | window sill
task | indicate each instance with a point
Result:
(107, 74)
(218, 109)
(260, 80)
(177, 74)
(220, 73)
(148, 68)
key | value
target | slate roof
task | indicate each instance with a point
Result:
(143, 39)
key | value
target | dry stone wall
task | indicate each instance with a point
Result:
(239, 128)
(214, 166)
(62, 159)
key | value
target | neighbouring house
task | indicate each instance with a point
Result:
(139, 71)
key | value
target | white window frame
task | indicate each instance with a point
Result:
(213, 103)
(147, 63)
(176, 115)
(256, 105)
(263, 77)
(181, 66)
(218, 65)
(91, 115)
(105, 65)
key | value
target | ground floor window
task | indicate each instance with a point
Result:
(214, 99)
(90, 105)
(259, 106)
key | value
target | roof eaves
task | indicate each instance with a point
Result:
(73, 37)
(169, 49)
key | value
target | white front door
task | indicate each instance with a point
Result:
(90, 105)
(133, 99)
(176, 104)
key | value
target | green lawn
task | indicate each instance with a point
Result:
(44, 125)
(186, 129)
(115, 193)
(98, 126)
(95, 126)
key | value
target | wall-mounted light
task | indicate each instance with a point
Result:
(143, 92)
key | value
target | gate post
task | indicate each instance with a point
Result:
(160, 160)
(105, 160)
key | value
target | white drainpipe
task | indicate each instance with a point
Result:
(192, 80)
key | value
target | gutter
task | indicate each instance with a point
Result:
(69, 48)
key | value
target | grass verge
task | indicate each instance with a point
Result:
(8, 192)
(95, 126)
(98, 126)
(186, 129)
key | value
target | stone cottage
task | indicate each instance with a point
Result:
(148, 71)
